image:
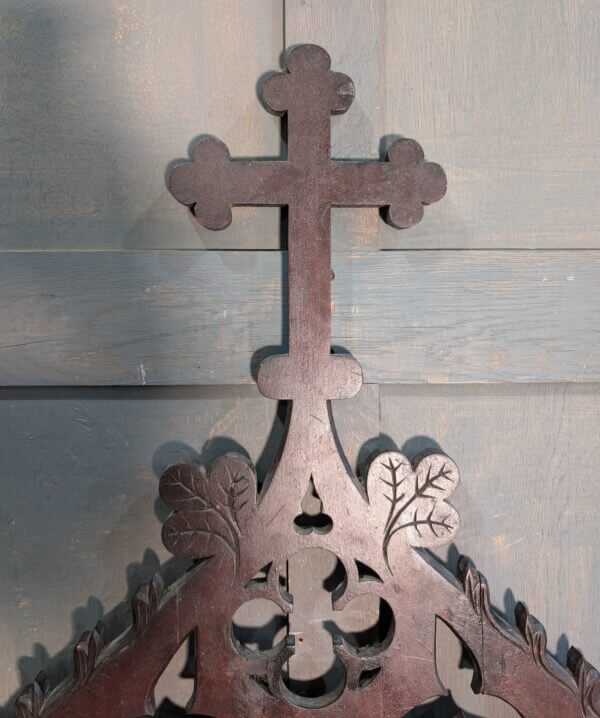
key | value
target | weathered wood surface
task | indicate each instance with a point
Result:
(505, 96)
(80, 513)
(99, 98)
(528, 497)
(81, 519)
(200, 317)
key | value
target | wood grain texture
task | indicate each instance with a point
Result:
(355, 134)
(80, 517)
(530, 447)
(206, 317)
(504, 95)
(528, 458)
(100, 98)
(311, 574)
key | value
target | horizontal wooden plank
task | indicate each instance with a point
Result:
(80, 515)
(528, 501)
(100, 98)
(207, 317)
(504, 95)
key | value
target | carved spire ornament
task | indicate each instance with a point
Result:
(378, 526)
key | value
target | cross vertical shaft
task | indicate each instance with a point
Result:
(309, 183)
(309, 280)
(309, 244)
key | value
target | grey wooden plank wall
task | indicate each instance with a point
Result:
(486, 344)
(205, 317)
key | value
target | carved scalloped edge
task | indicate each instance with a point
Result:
(36, 696)
(588, 681)
(580, 677)
(478, 592)
(30, 701)
(577, 674)
(145, 602)
(86, 652)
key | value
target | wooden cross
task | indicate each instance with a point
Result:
(220, 522)
(309, 183)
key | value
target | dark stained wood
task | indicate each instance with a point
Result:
(309, 183)
(378, 527)
(124, 86)
(66, 452)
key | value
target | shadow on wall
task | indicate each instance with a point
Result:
(88, 127)
(69, 168)
(62, 118)
(117, 619)
(60, 666)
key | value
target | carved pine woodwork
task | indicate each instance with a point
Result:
(379, 526)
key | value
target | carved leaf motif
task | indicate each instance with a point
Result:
(146, 601)
(232, 485)
(588, 681)
(414, 500)
(87, 650)
(30, 702)
(199, 535)
(183, 487)
(209, 512)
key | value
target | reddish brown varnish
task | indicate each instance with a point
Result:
(382, 523)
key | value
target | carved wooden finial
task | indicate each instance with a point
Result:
(378, 528)
(309, 183)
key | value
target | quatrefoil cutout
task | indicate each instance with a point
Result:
(412, 501)
(361, 656)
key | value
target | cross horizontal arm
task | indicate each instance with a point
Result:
(374, 184)
(259, 183)
(404, 183)
(212, 183)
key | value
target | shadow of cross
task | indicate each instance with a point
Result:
(309, 183)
